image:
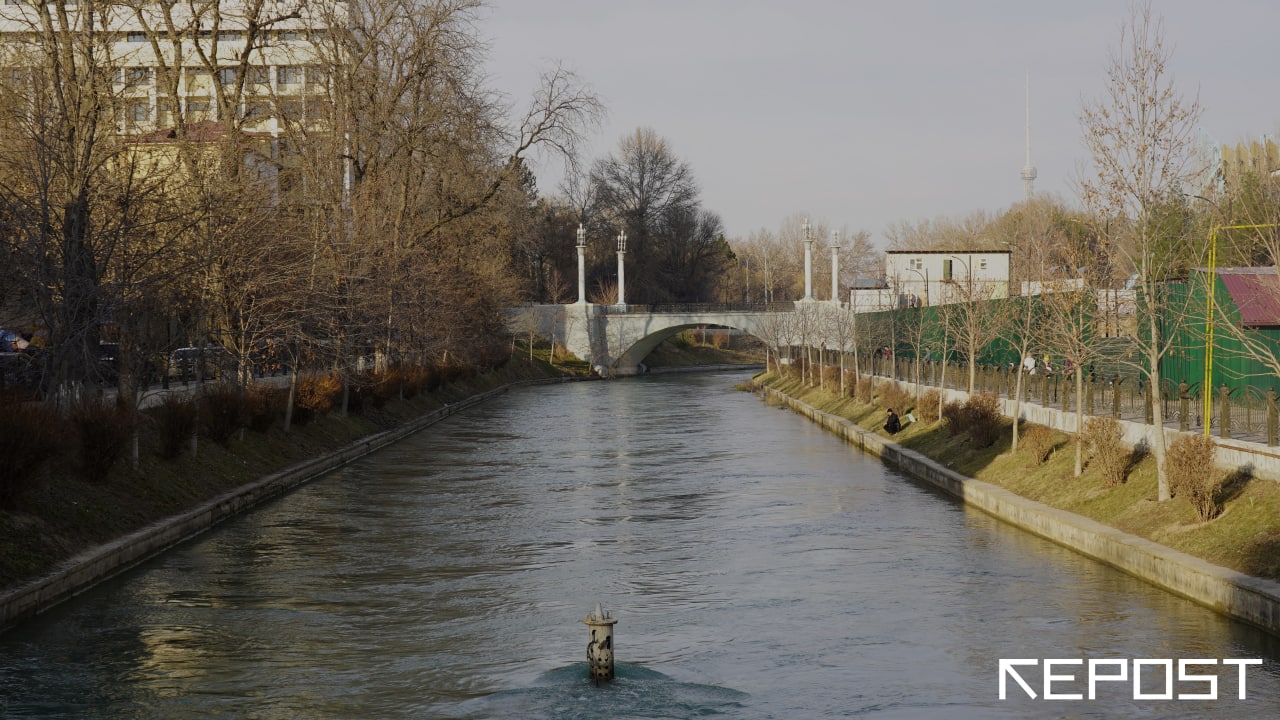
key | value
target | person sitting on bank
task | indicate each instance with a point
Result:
(892, 424)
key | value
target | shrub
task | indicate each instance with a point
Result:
(892, 396)
(850, 383)
(979, 417)
(983, 418)
(176, 420)
(1102, 441)
(927, 409)
(264, 406)
(1191, 473)
(866, 389)
(1038, 441)
(223, 411)
(831, 378)
(954, 415)
(30, 435)
(318, 393)
(102, 432)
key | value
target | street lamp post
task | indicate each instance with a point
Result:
(622, 275)
(808, 261)
(582, 265)
(835, 266)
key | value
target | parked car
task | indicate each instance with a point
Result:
(185, 363)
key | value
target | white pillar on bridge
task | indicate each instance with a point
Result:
(835, 266)
(808, 261)
(582, 264)
(622, 270)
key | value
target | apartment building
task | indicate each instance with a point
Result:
(252, 66)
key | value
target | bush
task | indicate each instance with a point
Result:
(223, 411)
(850, 383)
(103, 432)
(1038, 441)
(954, 416)
(30, 435)
(831, 377)
(892, 396)
(982, 413)
(1191, 473)
(927, 409)
(979, 417)
(176, 420)
(866, 389)
(1102, 441)
(264, 406)
(318, 393)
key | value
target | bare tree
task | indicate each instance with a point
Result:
(1141, 138)
(974, 321)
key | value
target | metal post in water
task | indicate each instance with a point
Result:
(600, 648)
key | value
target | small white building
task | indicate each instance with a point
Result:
(872, 295)
(940, 277)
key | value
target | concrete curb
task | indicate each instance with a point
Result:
(1244, 597)
(95, 565)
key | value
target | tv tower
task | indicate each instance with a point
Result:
(1028, 170)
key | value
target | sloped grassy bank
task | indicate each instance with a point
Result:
(68, 525)
(1228, 563)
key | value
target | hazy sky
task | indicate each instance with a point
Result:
(866, 113)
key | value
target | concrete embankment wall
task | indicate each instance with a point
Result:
(100, 563)
(1231, 455)
(675, 370)
(1244, 597)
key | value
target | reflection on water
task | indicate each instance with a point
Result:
(758, 567)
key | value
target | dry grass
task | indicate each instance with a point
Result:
(1244, 536)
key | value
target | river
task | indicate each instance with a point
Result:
(758, 568)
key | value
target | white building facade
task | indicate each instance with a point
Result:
(194, 62)
(939, 277)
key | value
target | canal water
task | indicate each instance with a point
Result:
(758, 568)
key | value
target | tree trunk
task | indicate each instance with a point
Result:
(1079, 469)
(1157, 445)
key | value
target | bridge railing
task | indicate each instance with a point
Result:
(692, 308)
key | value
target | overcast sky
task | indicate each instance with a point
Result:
(866, 113)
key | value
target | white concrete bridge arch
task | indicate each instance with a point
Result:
(615, 341)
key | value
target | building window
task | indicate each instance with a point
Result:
(982, 264)
(289, 75)
(229, 36)
(227, 76)
(257, 110)
(197, 109)
(135, 76)
(917, 263)
(136, 37)
(291, 110)
(258, 75)
(290, 35)
(139, 113)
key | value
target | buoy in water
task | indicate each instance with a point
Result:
(600, 647)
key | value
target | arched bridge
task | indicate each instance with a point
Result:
(615, 339)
